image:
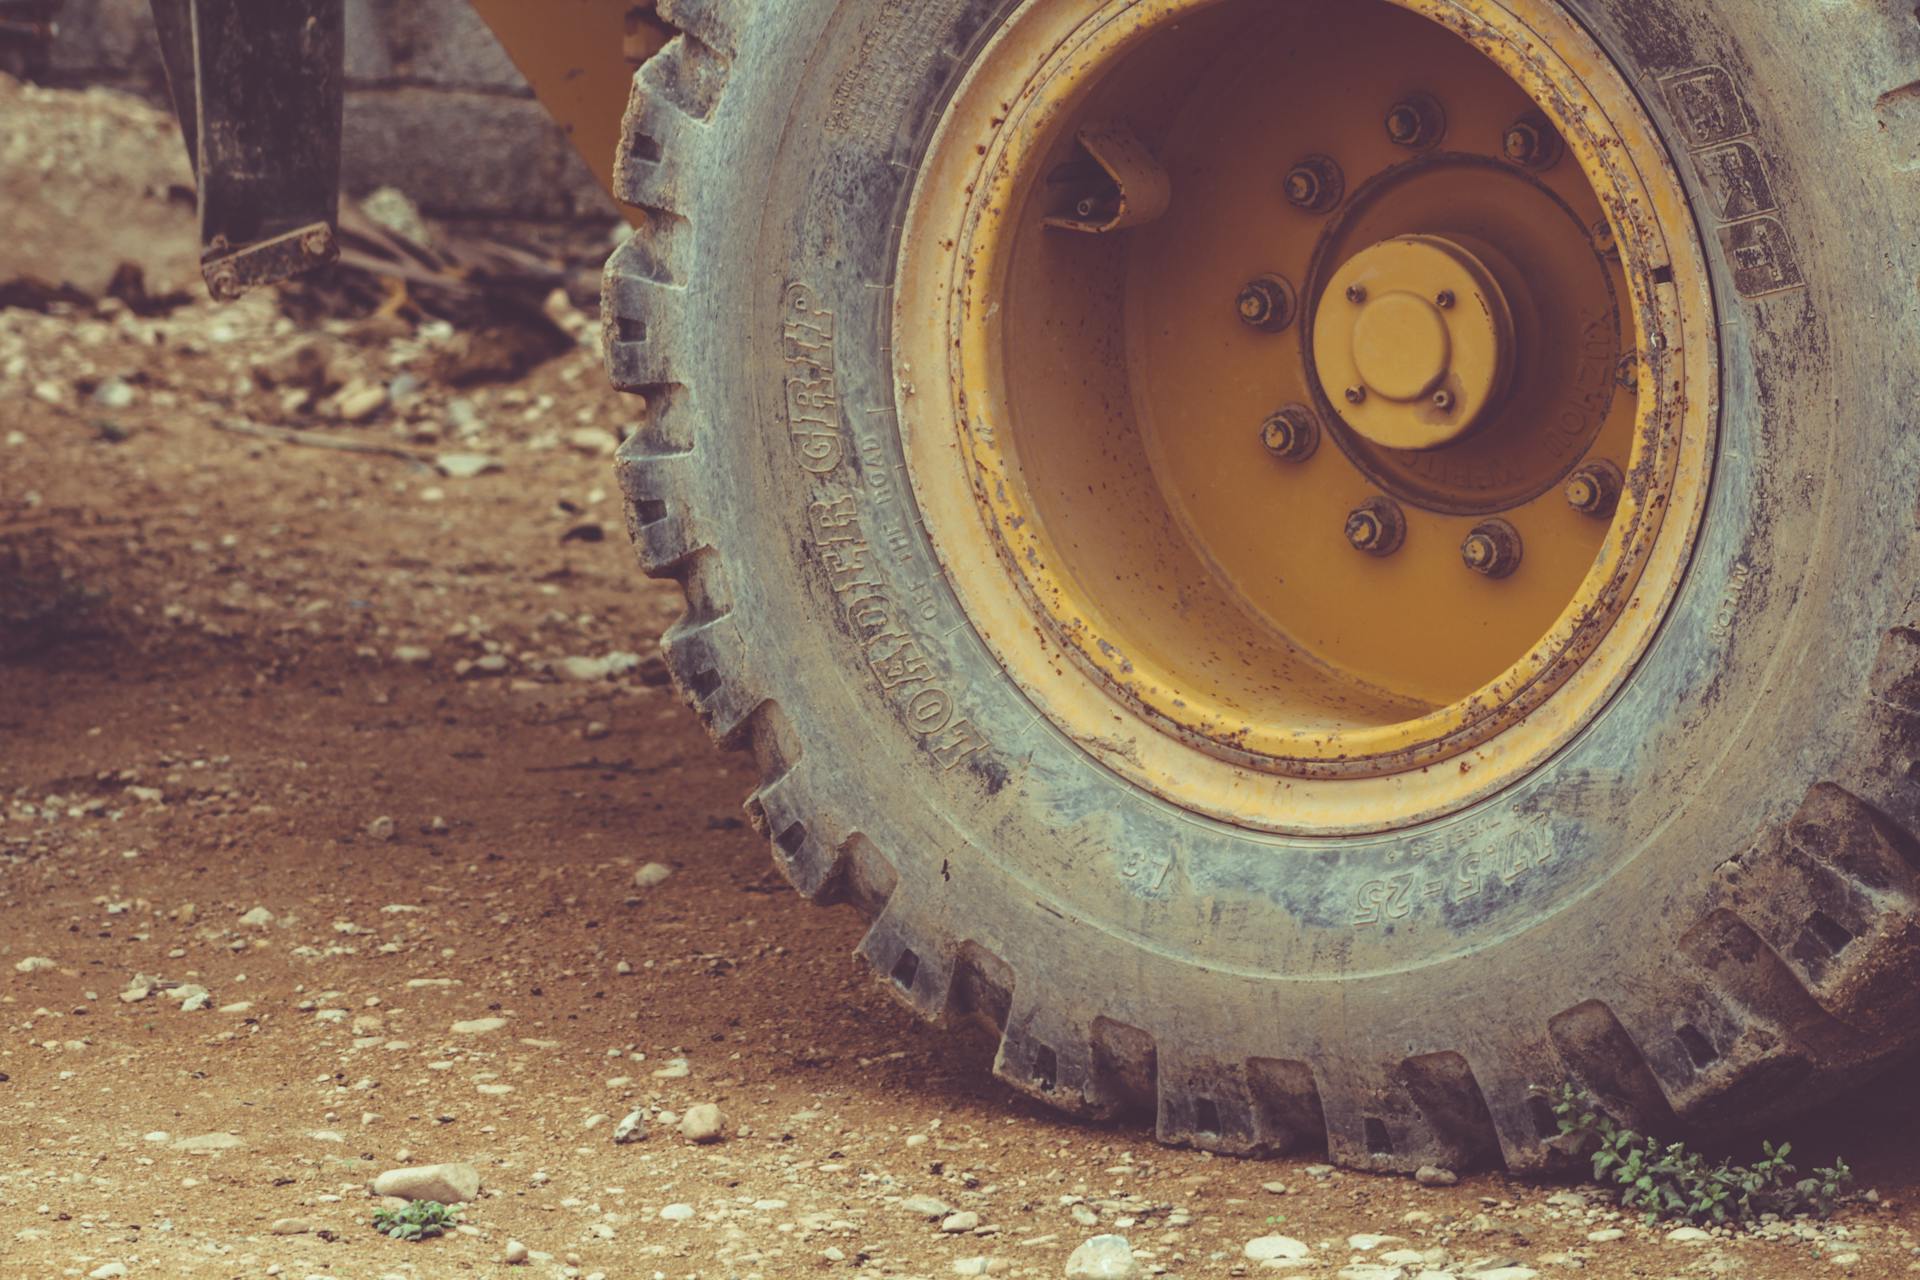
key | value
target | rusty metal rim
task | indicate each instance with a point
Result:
(1374, 777)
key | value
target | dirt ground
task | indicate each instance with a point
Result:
(325, 777)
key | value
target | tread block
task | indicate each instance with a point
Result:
(1602, 1058)
(688, 73)
(915, 966)
(717, 23)
(1507, 1081)
(665, 532)
(1375, 1122)
(1832, 896)
(642, 323)
(708, 663)
(1206, 1104)
(814, 866)
(650, 168)
(1287, 1104)
(1046, 1057)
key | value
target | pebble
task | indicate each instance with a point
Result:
(1432, 1175)
(1606, 1235)
(1274, 1188)
(959, 1223)
(1267, 1248)
(290, 1226)
(703, 1123)
(258, 918)
(1844, 1259)
(1370, 1271)
(478, 1026)
(928, 1207)
(465, 466)
(446, 1183)
(677, 1212)
(1687, 1235)
(209, 1142)
(652, 875)
(674, 1070)
(1368, 1243)
(383, 828)
(1103, 1258)
(360, 401)
(1507, 1273)
(514, 1254)
(108, 1271)
(37, 964)
(412, 655)
(631, 1129)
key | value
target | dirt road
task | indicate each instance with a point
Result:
(345, 826)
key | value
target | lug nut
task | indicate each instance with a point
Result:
(1594, 490)
(1314, 184)
(1443, 400)
(1266, 303)
(1356, 395)
(1356, 294)
(1377, 527)
(1492, 549)
(1532, 143)
(1291, 434)
(1444, 300)
(1416, 121)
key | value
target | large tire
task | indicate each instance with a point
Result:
(1715, 913)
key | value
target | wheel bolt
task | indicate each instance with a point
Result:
(1492, 549)
(1443, 400)
(1532, 143)
(1377, 527)
(1444, 300)
(1266, 303)
(1291, 434)
(1416, 121)
(1594, 490)
(1356, 294)
(1314, 184)
(1356, 395)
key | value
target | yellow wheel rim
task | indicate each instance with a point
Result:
(1161, 253)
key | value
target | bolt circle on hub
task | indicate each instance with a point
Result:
(1532, 143)
(1291, 433)
(1493, 549)
(1266, 303)
(1315, 184)
(1594, 490)
(1377, 527)
(1416, 122)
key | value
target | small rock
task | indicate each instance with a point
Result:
(478, 1026)
(290, 1226)
(383, 828)
(631, 1129)
(515, 1253)
(1370, 1271)
(258, 918)
(674, 1070)
(412, 655)
(1368, 1243)
(1507, 1273)
(926, 1207)
(1687, 1235)
(703, 1123)
(1275, 1188)
(446, 1183)
(1432, 1175)
(595, 730)
(960, 1223)
(1267, 1248)
(1844, 1259)
(677, 1212)
(651, 875)
(1318, 1171)
(209, 1142)
(465, 466)
(1606, 1235)
(1103, 1258)
(360, 401)
(108, 1271)
(37, 964)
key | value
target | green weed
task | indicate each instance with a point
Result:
(419, 1220)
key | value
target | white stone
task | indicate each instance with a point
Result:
(446, 1183)
(478, 1026)
(1507, 1273)
(1688, 1235)
(1370, 1271)
(1269, 1247)
(290, 1226)
(108, 1271)
(1432, 1175)
(1606, 1235)
(677, 1212)
(652, 875)
(39, 964)
(674, 1070)
(960, 1223)
(703, 1123)
(928, 1207)
(1368, 1243)
(514, 1254)
(258, 918)
(1103, 1258)
(633, 1128)
(209, 1142)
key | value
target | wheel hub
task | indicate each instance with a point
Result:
(1418, 334)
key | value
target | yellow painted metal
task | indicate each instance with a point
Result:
(1084, 432)
(1418, 337)
(579, 56)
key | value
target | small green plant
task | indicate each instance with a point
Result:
(1665, 1180)
(420, 1220)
